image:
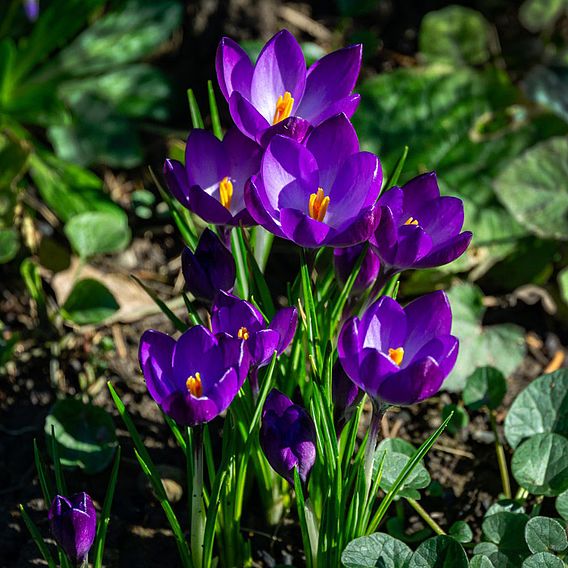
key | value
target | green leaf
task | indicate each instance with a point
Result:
(455, 35)
(544, 534)
(90, 302)
(42, 547)
(461, 531)
(563, 284)
(540, 408)
(14, 155)
(508, 505)
(9, 245)
(537, 15)
(85, 435)
(540, 464)
(486, 387)
(121, 37)
(543, 560)
(377, 549)
(500, 346)
(98, 232)
(562, 505)
(480, 561)
(439, 552)
(533, 188)
(394, 464)
(506, 531)
(460, 418)
(548, 86)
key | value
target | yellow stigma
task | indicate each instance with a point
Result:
(396, 355)
(283, 107)
(243, 333)
(317, 207)
(194, 385)
(225, 192)
(411, 221)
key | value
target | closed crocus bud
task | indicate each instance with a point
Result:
(73, 522)
(346, 395)
(210, 268)
(344, 261)
(287, 437)
(31, 7)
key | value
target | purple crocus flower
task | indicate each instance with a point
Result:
(320, 194)
(418, 228)
(73, 522)
(210, 268)
(277, 95)
(211, 182)
(195, 378)
(400, 355)
(242, 320)
(31, 8)
(344, 261)
(287, 437)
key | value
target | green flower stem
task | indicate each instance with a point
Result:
(197, 509)
(371, 447)
(424, 514)
(501, 458)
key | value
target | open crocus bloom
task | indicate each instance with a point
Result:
(211, 182)
(242, 320)
(195, 378)
(322, 193)
(287, 437)
(400, 355)
(419, 228)
(73, 522)
(277, 95)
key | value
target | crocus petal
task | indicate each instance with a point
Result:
(284, 323)
(357, 230)
(244, 161)
(349, 348)
(442, 218)
(383, 325)
(303, 230)
(247, 119)
(413, 244)
(394, 200)
(280, 67)
(346, 106)
(384, 238)
(376, 368)
(446, 253)
(207, 207)
(344, 261)
(206, 160)
(234, 68)
(444, 350)
(418, 191)
(229, 314)
(262, 345)
(259, 206)
(330, 79)
(331, 143)
(176, 180)
(155, 354)
(292, 127)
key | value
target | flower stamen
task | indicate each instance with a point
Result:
(411, 221)
(283, 107)
(318, 204)
(226, 192)
(194, 385)
(396, 355)
(243, 333)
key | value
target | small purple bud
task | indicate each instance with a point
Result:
(344, 261)
(210, 269)
(73, 523)
(287, 437)
(346, 395)
(31, 7)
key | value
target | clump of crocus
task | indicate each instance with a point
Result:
(73, 522)
(345, 260)
(287, 437)
(278, 95)
(211, 182)
(195, 378)
(210, 268)
(418, 228)
(322, 193)
(400, 355)
(242, 320)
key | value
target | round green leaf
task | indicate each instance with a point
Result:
(89, 302)
(461, 531)
(544, 534)
(543, 560)
(507, 532)
(9, 245)
(455, 34)
(396, 445)
(85, 435)
(98, 232)
(377, 549)
(537, 15)
(439, 552)
(480, 561)
(562, 505)
(486, 387)
(394, 463)
(533, 188)
(542, 407)
(509, 505)
(540, 464)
